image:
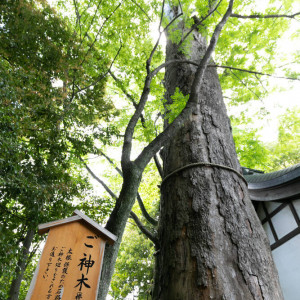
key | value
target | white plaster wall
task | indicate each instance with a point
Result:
(287, 260)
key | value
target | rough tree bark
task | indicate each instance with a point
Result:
(212, 243)
(21, 266)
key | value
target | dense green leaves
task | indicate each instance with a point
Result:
(134, 267)
(44, 126)
(285, 152)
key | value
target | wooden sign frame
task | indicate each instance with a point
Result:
(74, 248)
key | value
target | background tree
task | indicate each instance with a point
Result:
(285, 152)
(43, 129)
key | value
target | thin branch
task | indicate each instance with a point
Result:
(257, 16)
(144, 211)
(111, 162)
(129, 96)
(78, 16)
(32, 253)
(7, 59)
(67, 102)
(7, 211)
(177, 61)
(158, 165)
(261, 83)
(90, 158)
(172, 21)
(253, 72)
(73, 88)
(245, 85)
(197, 23)
(95, 40)
(112, 194)
(287, 64)
(92, 21)
(103, 75)
(141, 9)
(118, 81)
(144, 230)
(87, 7)
(179, 2)
(127, 145)
(148, 63)
(140, 225)
(170, 62)
(149, 151)
(161, 14)
(204, 61)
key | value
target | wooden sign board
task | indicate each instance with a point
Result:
(70, 265)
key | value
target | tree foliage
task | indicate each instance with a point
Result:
(44, 128)
(72, 76)
(285, 152)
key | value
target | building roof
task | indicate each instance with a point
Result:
(78, 216)
(279, 185)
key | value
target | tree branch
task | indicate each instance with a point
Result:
(198, 22)
(132, 214)
(170, 62)
(118, 81)
(78, 16)
(111, 162)
(245, 85)
(140, 225)
(87, 7)
(256, 76)
(103, 75)
(144, 230)
(257, 16)
(32, 253)
(139, 199)
(253, 72)
(204, 61)
(111, 193)
(178, 61)
(129, 96)
(148, 63)
(141, 9)
(127, 145)
(92, 45)
(152, 148)
(92, 21)
(161, 14)
(158, 166)
(144, 211)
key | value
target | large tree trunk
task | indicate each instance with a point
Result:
(21, 266)
(212, 243)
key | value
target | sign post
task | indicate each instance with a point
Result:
(70, 265)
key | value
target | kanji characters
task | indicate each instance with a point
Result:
(87, 263)
(82, 282)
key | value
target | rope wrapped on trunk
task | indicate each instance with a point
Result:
(204, 164)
